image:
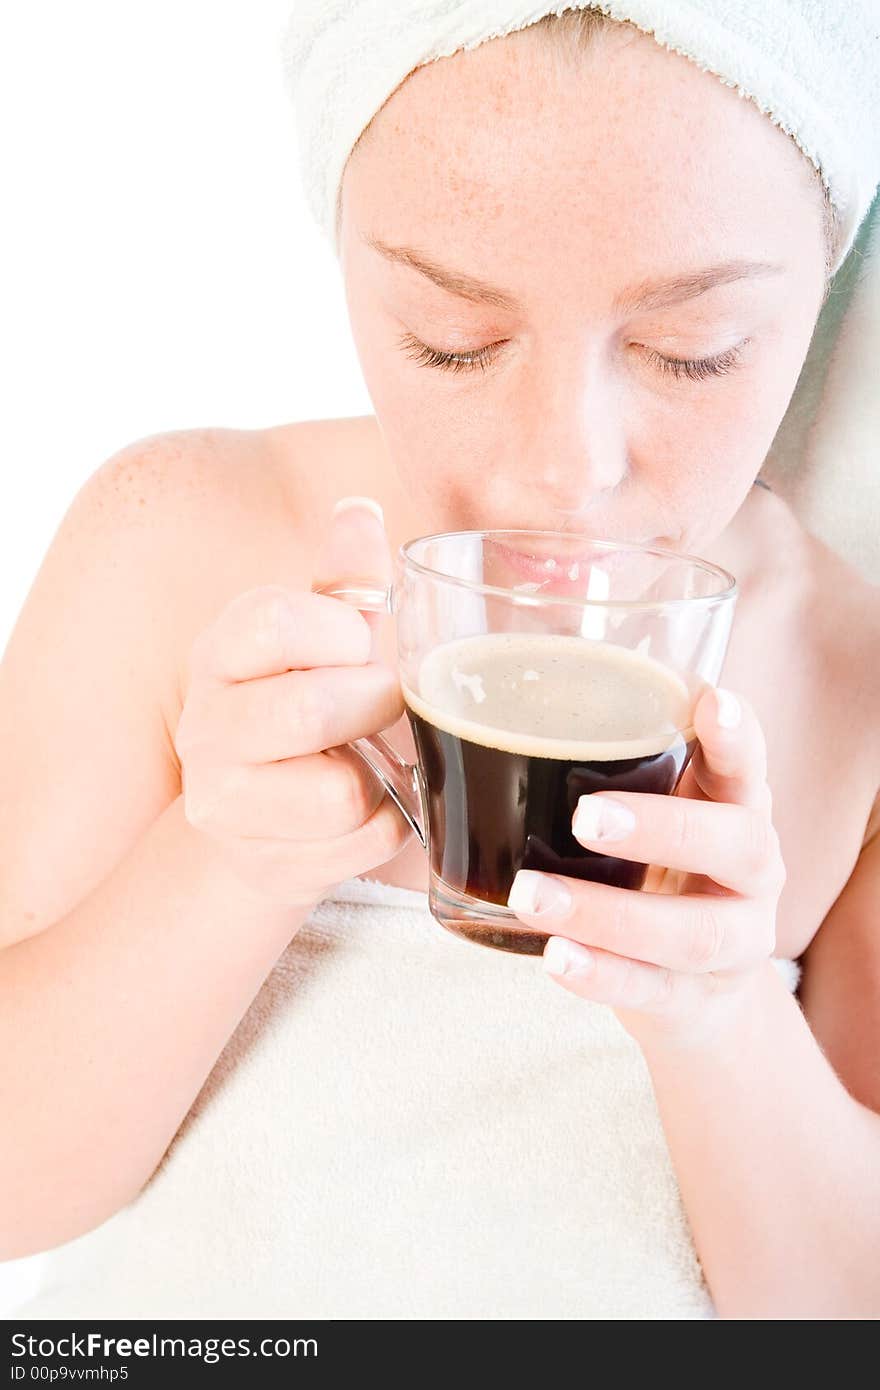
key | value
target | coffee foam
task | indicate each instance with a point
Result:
(550, 696)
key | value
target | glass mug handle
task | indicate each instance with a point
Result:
(400, 779)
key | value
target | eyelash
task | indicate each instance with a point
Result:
(690, 368)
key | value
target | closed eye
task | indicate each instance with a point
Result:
(480, 359)
(423, 356)
(697, 368)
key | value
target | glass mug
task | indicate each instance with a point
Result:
(537, 666)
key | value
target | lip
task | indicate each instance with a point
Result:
(416, 557)
(543, 569)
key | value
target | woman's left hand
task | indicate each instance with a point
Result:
(675, 958)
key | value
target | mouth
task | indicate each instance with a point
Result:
(563, 569)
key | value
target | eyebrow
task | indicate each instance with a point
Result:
(649, 294)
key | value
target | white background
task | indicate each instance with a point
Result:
(159, 269)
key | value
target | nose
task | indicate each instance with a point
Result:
(576, 433)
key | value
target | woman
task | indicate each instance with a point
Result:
(574, 314)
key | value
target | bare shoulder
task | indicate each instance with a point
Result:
(837, 616)
(85, 682)
(226, 510)
(834, 610)
(845, 608)
(228, 481)
(187, 503)
(840, 988)
(92, 680)
(167, 479)
(803, 648)
(208, 471)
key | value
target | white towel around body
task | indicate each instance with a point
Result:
(404, 1125)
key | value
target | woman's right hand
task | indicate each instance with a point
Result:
(278, 682)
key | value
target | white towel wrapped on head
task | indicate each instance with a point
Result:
(811, 65)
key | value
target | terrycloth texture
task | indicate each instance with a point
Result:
(404, 1125)
(811, 65)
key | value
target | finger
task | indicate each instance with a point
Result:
(289, 715)
(730, 762)
(734, 845)
(379, 839)
(271, 629)
(317, 797)
(296, 873)
(677, 1005)
(614, 980)
(694, 933)
(355, 547)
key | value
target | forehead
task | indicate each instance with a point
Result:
(515, 147)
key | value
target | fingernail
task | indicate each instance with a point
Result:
(537, 895)
(369, 502)
(600, 818)
(728, 711)
(564, 957)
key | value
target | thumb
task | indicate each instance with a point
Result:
(354, 549)
(730, 763)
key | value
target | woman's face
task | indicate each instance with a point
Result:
(655, 247)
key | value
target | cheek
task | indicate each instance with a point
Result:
(753, 410)
(718, 433)
(416, 417)
(697, 445)
(437, 445)
(442, 458)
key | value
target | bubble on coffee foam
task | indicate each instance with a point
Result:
(531, 676)
(473, 684)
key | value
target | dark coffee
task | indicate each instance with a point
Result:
(511, 729)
